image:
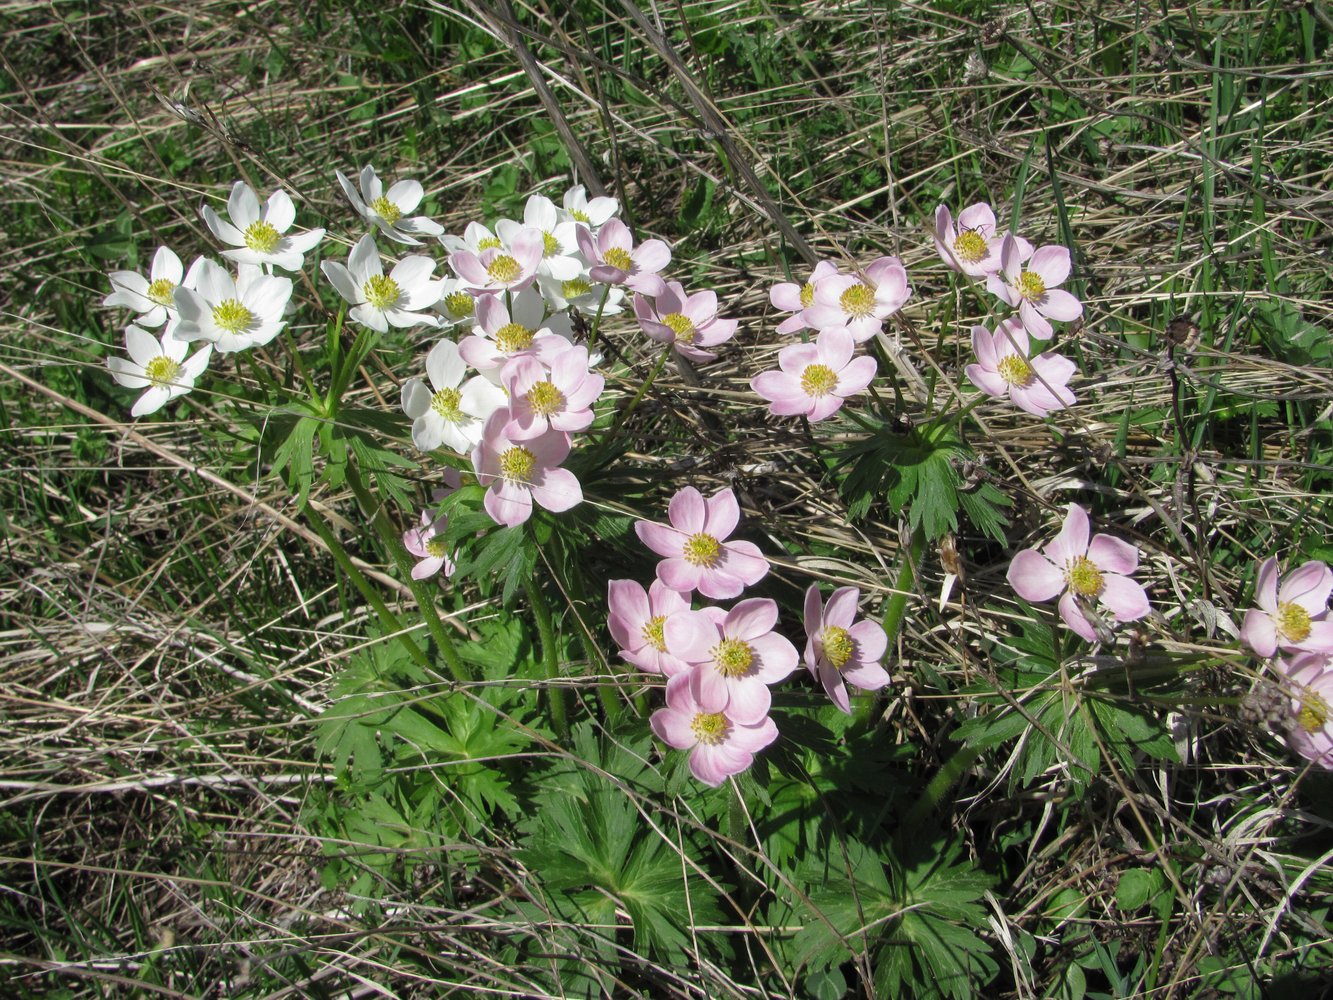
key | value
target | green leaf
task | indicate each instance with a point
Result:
(1136, 887)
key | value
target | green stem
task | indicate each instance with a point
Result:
(550, 655)
(597, 320)
(643, 389)
(394, 543)
(945, 778)
(896, 609)
(388, 620)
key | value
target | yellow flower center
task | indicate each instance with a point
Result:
(970, 246)
(1293, 622)
(1014, 370)
(550, 245)
(581, 216)
(1030, 286)
(701, 550)
(545, 398)
(445, 403)
(732, 657)
(381, 291)
(807, 295)
(682, 326)
(575, 287)
(489, 243)
(504, 269)
(1084, 578)
(710, 728)
(1314, 713)
(161, 371)
(386, 210)
(619, 258)
(818, 380)
(654, 633)
(261, 237)
(513, 337)
(858, 301)
(231, 316)
(162, 291)
(517, 463)
(459, 303)
(838, 646)
(435, 548)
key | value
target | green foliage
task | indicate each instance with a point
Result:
(597, 843)
(913, 918)
(917, 473)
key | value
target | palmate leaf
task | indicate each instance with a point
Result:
(588, 843)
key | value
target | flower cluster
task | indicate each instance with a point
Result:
(720, 662)
(1026, 279)
(228, 311)
(1291, 625)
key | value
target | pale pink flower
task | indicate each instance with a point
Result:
(719, 746)
(696, 555)
(560, 398)
(616, 260)
(519, 473)
(1032, 288)
(792, 298)
(1291, 617)
(503, 332)
(1035, 384)
(636, 621)
(1310, 730)
(426, 543)
(560, 259)
(508, 268)
(840, 650)
(815, 378)
(860, 303)
(1081, 572)
(591, 212)
(735, 654)
(257, 233)
(972, 244)
(688, 323)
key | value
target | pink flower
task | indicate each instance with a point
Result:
(687, 323)
(972, 244)
(795, 299)
(616, 261)
(695, 553)
(1292, 617)
(815, 378)
(501, 269)
(719, 746)
(1033, 288)
(1081, 573)
(735, 655)
(521, 472)
(503, 332)
(561, 398)
(1037, 385)
(637, 619)
(1310, 733)
(859, 304)
(427, 544)
(838, 651)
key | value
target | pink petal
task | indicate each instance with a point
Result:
(745, 561)
(1265, 588)
(1113, 555)
(1072, 541)
(1074, 617)
(1124, 598)
(690, 635)
(871, 641)
(1034, 577)
(674, 728)
(1259, 633)
(750, 618)
(1052, 263)
(679, 575)
(831, 679)
(1060, 305)
(724, 513)
(841, 607)
(749, 702)
(776, 656)
(663, 540)
(1308, 587)
(687, 511)
(866, 676)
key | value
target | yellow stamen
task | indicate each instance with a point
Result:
(702, 550)
(732, 657)
(545, 398)
(838, 646)
(381, 291)
(818, 380)
(504, 269)
(710, 728)
(1015, 370)
(858, 301)
(460, 303)
(654, 633)
(231, 316)
(619, 258)
(970, 246)
(435, 548)
(386, 210)
(517, 463)
(807, 295)
(1293, 622)
(162, 291)
(161, 371)
(575, 287)
(1314, 713)
(445, 403)
(682, 326)
(513, 337)
(1084, 578)
(261, 237)
(489, 243)
(1031, 286)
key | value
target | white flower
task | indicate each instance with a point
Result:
(560, 259)
(232, 314)
(458, 306)
(388, 210)
(476, 238)
(152, 297)
(454, 413)
(158, 366)
(380, 301)
(581, 294)
(257, 233)
(590, 212)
